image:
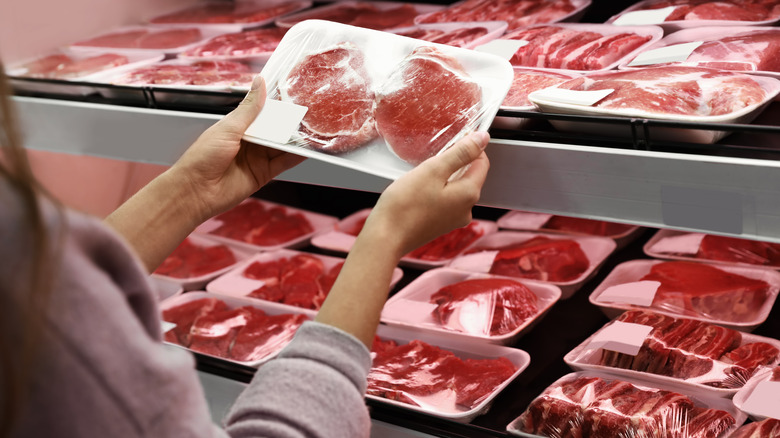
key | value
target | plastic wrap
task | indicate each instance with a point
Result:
(681, 14)
(255, 46)
(758, 398)
(517, 13)
(680, 245)
(361, 92)
(196, 261)
(378, 15)
(466, 35)
(734, 296)
(580, 46)
(598, 405)
(145, 39)
(768, 428)
(622, 234)
(706, 96)
(478, 306)
(566, 261)
(229, 328)
(194, 75)
(266, 226)
(233, 16)
(677, 351)
(293, 279)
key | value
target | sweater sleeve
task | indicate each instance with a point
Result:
(314, 388)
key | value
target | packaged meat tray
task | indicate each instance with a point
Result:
(466, 35)
(373, 121)
(680, 352)
(674, 15)
(564, 261)
(517, 13)
(378, 15)
(481, 307)
(682, 245)
(436, 253)
(230, 16)
(198, 260)
(150, 40)
(524, 82)
(238, 330)
(519, 220)
(738, 297)
(257, 225)
(425, 373)
(758, 399)
(293, 279)
(254, 46)
(580, 46)
(769, 428)
(706, 96)
(600, 405)
(744, 49)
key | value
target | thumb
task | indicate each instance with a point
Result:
(463, 152)
(246, 112)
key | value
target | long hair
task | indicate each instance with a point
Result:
(17, 352)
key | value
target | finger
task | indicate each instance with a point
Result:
(477, 171)
(246, 112)
(461, 153)
(282, 162)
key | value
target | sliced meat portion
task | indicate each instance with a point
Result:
(213, 333)
(750, 356)
(449, 245)
(189, 260)
(252, 222)
(541, 258)
(768, 428)
(732, 249)
(586, 226)
(517, 13)
(300, 281)
(526, 82)
(46, 66)
(241, 44)
(264, 335)
(184, 315)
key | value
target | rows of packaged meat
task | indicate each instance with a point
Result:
(677, 357)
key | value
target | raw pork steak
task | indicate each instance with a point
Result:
(426, 102)
(335, 86)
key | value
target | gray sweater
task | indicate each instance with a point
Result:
(102, 370)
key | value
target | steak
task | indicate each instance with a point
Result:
(517, 13)
(526, 82)
(748, 51)
(541, 258)
(241, 44)
(730, 10)
(189, 260)
(264, 335)
(300, 281)
(334, 84)
(732, 249)
(750, 356)
(768, 428)
(586, 226)
(426, 102)
(252, 222)
(214, 13)
(449, 245)
(184, 315)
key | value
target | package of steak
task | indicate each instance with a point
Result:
(516, 13)
(680, 352)
(738, 297)
(707, 96)
(456, 379)
(758, 399)
(561, 260)
(674, 15)
(435, 253)
(254, 46)
(466, 35)
(149, 40)
(768, 428)
(461, 304)
(524, 82)
(238, 330)
(230, 16)
(600, 405)
(744, 49)
(683, 245)
(374, 101)
(377, 15)
(288, 278)
(258, 225)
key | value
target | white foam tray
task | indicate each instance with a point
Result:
(741, 397)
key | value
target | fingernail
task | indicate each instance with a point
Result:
(256, 82)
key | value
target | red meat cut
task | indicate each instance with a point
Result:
(45, 66)
(252, 222)
(489, 306)
(241, 44)
(449, 245)
(335, 86)
(221, 73)
(185, 314)
(732, 249)
(768, 428)
(747, 51)
(213, 333)
(238, 12)
(526, 82)
(541, 258)
(426, 102)
(365, 14)
(586, 226)
(300, 281)
(189, 260)
(729, 10)
(145, 39)
(264, 335)
(457, 37)
(517, 13)
(750, 356)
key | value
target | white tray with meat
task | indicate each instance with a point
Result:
(758, 398)
(526, 81)
(436, 253)
(517, 13)
(743, 49)
(601, 405)
(365, 113)
(258, 225)
(230, 16)
(466, 34)
(768, 428)
(481, 307)
(456, 379)
(237, 330)
(148, 40)
(738, 297)
(561, 260)
(682, 94)
(679, 352)
(378, 15)
(254, 46)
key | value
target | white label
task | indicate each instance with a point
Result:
(523, 220)
(209, 226)
(477, 262)
(234, 284)
(639, 293)
(764, 400)
(167, 326)
(277, 121)
(662, 55)
(409, 311)
(639, 18)
(503, 48)
(571, 97)
(688, 243)
(622, 337)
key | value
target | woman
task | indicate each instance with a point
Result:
(80, 331)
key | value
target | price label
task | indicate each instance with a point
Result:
(639, 293)
(477, 262)
(409, 311)
(167, 326)
(640, 18)
(687, 243)
(622, 337)
(526, 220)
(764, 400)
(277, 121)
(571, 97)
(663, 55)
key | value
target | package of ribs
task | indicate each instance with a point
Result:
(377, 15)
(257, 225)
(683, 353)
(599, 405)
(235, 329)
(758, 399)
(456, 379)
(466, 35)
(290, 279)
(738, 297)
(198, 260)
(682, 245)
(435, 253)
(745, 49)
(482, 307)
(231, 16)
(768, 428)
(565, 261)
(374, 101)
